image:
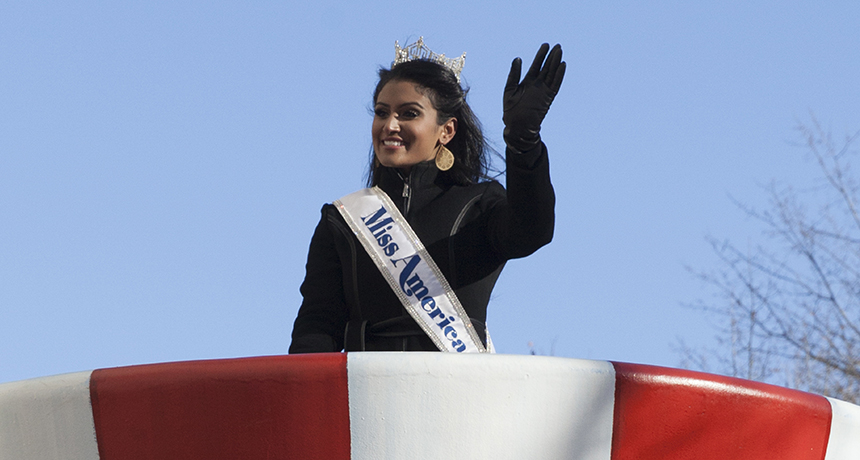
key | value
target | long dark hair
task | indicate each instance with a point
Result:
(440, 85)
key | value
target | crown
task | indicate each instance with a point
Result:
(418, 50)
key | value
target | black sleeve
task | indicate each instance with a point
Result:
(525, 221)
(322, 318)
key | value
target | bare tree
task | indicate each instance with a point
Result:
(788, 306)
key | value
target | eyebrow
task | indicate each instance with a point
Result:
(405, 104)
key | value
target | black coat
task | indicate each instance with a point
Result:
(470, 231)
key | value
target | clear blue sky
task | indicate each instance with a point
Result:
(162, 164)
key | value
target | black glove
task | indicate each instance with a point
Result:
(526, 103)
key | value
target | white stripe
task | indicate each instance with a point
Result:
(48, 418)
(442, 405)
(844, 442)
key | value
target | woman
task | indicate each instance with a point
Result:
(468, 223)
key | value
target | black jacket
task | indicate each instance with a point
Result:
(470, 231)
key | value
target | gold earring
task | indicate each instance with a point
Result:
(444, 158)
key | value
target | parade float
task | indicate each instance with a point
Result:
(416, 406)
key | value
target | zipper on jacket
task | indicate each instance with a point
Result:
(407, 193)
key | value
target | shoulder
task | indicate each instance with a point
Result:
(493, 187)
(331, 220)
(491, 192)
(488, 189)
(328, 211)
(328, 208)
(476, 197)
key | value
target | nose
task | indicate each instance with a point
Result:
(391, 125)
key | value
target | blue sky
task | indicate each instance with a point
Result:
(162, 164)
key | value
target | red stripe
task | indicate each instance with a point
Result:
(668, 414)
(270, 407)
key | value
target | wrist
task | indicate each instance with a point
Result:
(521, 140)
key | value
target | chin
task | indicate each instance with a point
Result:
(393, 162)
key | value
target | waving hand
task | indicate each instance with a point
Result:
(526, 102)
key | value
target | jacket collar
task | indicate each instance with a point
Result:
(424, 185)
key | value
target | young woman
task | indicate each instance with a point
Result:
(468, 223)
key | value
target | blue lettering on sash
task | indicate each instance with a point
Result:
(412, 285)
(379, 223)
(371, 219)
(378, 227)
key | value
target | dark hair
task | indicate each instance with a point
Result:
(440, 85)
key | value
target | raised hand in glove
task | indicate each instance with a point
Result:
(527, 102)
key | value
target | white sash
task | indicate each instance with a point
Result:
(409, 270)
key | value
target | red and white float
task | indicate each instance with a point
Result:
(416, 405)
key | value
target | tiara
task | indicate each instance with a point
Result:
(418, 50)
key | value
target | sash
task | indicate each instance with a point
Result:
(409, 270)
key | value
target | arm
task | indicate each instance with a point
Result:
(527, 219)
(526, 222)
(320, 324)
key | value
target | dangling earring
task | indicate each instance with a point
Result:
(444, 158)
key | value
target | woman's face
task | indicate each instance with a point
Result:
(404, 130)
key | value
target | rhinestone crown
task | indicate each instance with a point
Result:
(418, 50)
